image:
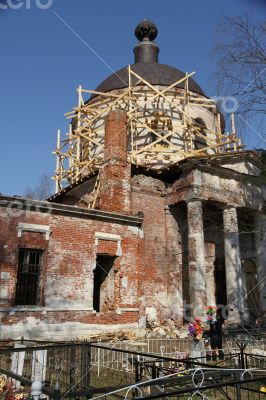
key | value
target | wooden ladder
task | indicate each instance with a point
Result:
(95, 191)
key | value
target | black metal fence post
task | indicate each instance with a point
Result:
(238, 389)
(242, 355)
(57, 394)
(242, 346)
(137, 371)
(153, 371)
(88, 363)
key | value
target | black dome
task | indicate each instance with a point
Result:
(154, 73)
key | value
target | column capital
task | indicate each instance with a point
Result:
(226, 207)
(230, 219)
(193, 199)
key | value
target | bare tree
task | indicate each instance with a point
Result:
(240, 54)
(42, 190)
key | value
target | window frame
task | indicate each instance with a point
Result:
(30, 278)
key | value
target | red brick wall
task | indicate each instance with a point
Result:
(115, 175)
(114, 193)
(154, 264)
(55, 317)
(70, 257)
(161, 264)
(115, 142)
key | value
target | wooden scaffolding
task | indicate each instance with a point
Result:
(156, 139)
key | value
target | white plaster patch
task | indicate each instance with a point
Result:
(32, 321)
(142, 322)
(161, 298)
(151, 312)
(5, 276)
(124, 281)
(197, 177)
(244, 167)
(133, 229)
(3, 293)
(175, 300)
(128, 294)
(70, 305)
(62, 331)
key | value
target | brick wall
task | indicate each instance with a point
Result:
(67, 270)
(152, 268)
(161, 275)
(146, 197)
(115, 175)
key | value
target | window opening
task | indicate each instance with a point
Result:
(28, 277)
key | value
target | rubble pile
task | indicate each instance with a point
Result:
(113, 336)
(167, 330)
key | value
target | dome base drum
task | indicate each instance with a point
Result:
(166, 124)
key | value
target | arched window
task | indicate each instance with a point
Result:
(200, 123)
(200, 133)
(161, 123)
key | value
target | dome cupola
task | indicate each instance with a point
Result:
(147, 65)
(146, 51)
(169, 117)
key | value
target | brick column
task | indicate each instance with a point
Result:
(260, 240)
(235, 289)
(115, 176)
(196, 257)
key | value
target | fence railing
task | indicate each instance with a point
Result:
(87, 369)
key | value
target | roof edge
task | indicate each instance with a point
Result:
(45, 207)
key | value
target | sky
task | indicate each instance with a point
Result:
(47, 52)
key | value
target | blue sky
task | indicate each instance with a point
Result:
(43, 62)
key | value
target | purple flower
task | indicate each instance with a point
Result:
(191, 329)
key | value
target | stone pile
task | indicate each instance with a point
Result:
(167, 330)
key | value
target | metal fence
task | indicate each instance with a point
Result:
(208, 384)
(51, 364)
(84, 369)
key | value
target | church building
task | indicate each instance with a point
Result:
(159, 212)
